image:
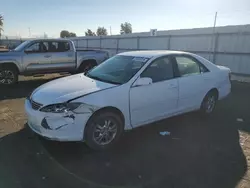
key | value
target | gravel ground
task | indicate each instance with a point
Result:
(199, 152)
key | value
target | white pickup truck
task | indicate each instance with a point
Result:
(43, 56)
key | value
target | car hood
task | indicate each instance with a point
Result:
(9, 55)
(67, 88)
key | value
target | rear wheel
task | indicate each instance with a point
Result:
(8, 75)
(209, 102)
(103, 130)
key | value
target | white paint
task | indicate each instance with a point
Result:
(157, 100)
(63, 89)
(139, 104)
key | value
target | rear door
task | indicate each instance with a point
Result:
(63, 57)
(194, 82)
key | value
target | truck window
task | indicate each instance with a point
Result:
(63, 46)
(59, 46)
(38, 47)
(53, 46)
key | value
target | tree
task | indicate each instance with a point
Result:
(90, 33)
(64, 33)
(71, 34)
(1, 24)
(126, 28)
(101, 31)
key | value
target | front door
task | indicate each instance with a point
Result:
(157, 100)
(36, 58)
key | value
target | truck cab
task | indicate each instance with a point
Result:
(43, 56)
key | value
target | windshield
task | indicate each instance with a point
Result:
(21, 46)
(118, 69)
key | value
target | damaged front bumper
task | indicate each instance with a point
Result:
(57, 126)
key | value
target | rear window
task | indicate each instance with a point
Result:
(58, 46)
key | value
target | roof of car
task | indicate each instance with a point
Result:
(151, 53)
(58, 39)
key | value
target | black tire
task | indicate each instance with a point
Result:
(209, 103)
(86, 66)
(8, 75)
(91, 134)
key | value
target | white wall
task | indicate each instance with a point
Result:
(229, 46)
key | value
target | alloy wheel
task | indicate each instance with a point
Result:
(7, 77)
(104, 132)
(210, 104)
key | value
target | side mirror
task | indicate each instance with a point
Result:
(143, 82)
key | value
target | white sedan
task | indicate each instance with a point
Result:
(126, 91)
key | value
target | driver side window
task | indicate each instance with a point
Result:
(160, 70)
(38, 47)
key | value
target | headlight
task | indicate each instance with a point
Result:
(61, 107)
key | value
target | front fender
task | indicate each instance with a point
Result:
(11, 61)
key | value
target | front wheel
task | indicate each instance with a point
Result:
(8, 76)
(103, 130)
(209, 102)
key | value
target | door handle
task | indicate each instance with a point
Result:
(172, 86)
(70, 55)
(47, 56)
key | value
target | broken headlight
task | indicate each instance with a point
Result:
(60, 107)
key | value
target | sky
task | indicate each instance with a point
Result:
(35, 17)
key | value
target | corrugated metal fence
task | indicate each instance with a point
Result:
(228, 49)
(228, 46)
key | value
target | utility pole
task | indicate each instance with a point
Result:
(110, 32)
(213, 36)
(215, 19)
(29, 32)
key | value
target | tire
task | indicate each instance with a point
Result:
(8, 75)
(86, 66)
(97, 136)
(209, 103)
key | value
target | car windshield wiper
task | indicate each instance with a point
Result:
(103, 80)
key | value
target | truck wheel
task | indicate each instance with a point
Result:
(103, 130)
(8, 75)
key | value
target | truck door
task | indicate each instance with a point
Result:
(36, 58)
(63, 57)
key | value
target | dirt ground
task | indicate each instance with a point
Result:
(199, 152)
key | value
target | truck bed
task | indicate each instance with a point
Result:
(85, 50)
